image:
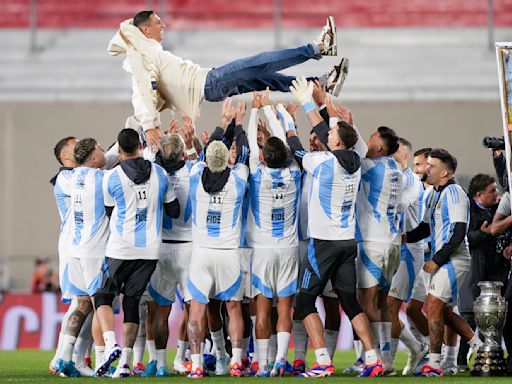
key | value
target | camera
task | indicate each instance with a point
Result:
(494, 142)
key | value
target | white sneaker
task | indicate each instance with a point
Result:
(221, 367)
(84, 369)
(108, 358)
(414, 359)
(336, 77)
(180, 368)
(449, 370)
(328, 38)
(122, 372)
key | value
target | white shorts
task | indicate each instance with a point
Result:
(275, 271)
(376, 264)
(445, 283)
(419, 291)
(246, 264)
(79, 277)
(216, 274)
(411, 261)
(303, 255)
(170, 273)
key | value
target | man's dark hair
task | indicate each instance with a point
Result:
(142, 18)
(84, 149)
(389, 138)
(423, 151)
(405, 143)
(60, 146)
(275, 153)
(445, 157)
(129, 141)
(347, 134)
(479, 183)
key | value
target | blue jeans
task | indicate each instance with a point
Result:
(256, 73)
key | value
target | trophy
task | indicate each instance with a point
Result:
(490, 311)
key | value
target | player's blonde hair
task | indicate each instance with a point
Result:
(172, 146)
(217, 155)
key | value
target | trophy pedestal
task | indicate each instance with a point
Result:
(489, 361)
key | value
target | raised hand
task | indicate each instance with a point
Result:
(204, 138)
(319, 93)
(188, 132)
(228, 113)
(241, 108)
(265, 99)
(291, 108)
(332, 111)
(302, 90)
(344, 114)
(256, 100)
(173, 126)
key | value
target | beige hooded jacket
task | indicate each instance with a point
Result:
(160, 79)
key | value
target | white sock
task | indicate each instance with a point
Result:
(237, 356)
(59, 347)
(435, 360)
(331, 341)
(416, 333)
(283, 342)
(255, 347)
(376, 337)
(245, 346)
(139, 348)
(300, 340)
(411, 342)
(219, 344)
(66, 352)
(262, 347)
(196, 361)
(181, 350)
(161, 358)
(110, 339)
(88, 350)
(201, 354)
(83, 341)
(62, 333)
(394, 347)
(99, 351)
(385, 341)
(450, 355)
(358, 346)
(370, 357)
(322, 356)
(151, 349)
(272, 348)
(126, 356)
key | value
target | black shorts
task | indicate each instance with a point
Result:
(329, 260)
(129, 277)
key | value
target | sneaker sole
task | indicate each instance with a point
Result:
(343, 72)
(104, 368)
(333, 51)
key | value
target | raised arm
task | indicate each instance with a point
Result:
(273, 124)
(252, 133)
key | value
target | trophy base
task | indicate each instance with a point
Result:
(489, 361)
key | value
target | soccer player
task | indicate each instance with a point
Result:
(446, 219)
(272, 233)
(163, 80)
(331, 225)
(411, 257)
(216, 195)
(136, 193)
(172, 268)
(378, 232)
(83, 239)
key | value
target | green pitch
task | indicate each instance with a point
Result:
(31, 366)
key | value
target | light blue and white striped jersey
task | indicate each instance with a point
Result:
(332, 197)
(411, 212)
(216, 217)
(62, 194)
(444, 209)
(180, 229)
(378, 200)
(86, 229)
(274, 209)
(307, 179)
(136, 221)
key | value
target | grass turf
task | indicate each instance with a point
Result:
(31, 366)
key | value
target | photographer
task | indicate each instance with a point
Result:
(497, 145)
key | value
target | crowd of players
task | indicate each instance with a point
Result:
(255, 222)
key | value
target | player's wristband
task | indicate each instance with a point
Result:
(308, 106)
(191, 151)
